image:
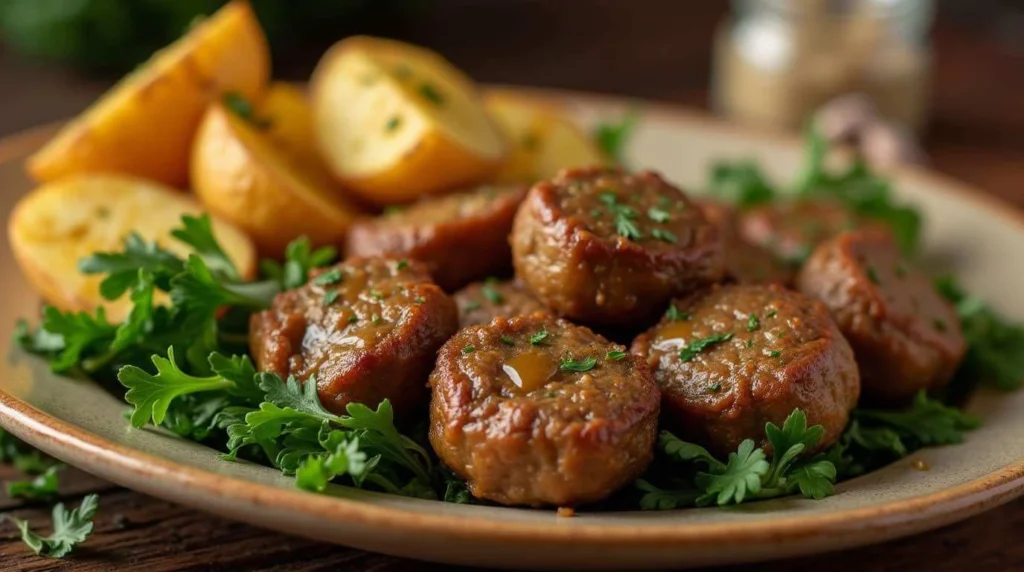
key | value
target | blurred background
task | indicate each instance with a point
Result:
(951, 71)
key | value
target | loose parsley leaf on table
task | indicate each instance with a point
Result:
(41, 488)
(70, 528)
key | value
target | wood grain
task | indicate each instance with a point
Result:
(648, 48)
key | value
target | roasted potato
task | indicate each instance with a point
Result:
(62, 222)
(258, 166)
(542, 138)
(396, 122)
(144, 125)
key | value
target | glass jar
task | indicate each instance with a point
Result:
(777, 61)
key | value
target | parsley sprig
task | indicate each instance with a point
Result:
(70, 528)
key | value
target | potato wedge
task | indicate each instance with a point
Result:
(261, 170)
(58, 224)
(396, 121)
(542, 139)
(144, 125)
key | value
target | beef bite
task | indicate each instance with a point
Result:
(481, 302)
(732, 358)
(792, 229)
(906, 337)
(534, 410)
(366, 329)
(460, 237)
(745, 262)
(605, 247)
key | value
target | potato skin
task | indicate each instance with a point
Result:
(144, 125)
(599, 278)
(461, 237)
(906, 337)
(270, 180)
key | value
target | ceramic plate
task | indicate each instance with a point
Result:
(979, 238)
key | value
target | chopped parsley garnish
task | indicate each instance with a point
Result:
(507, 340)
(491, 293)
(539, 337)
(700, 344)
(872, 275)
(753, 323)
(658, 215)
(419, 299)
(402, 264)
(376, 294)
(393, 123)
(615, 355)
(771, 314)
(330, 297)
(578, 366)
(715, 388)
(353, 319)
(675, 314)
(242, 107)
(774, 353)
(472, 305)
(663, 235)
(332, 276)
(624, 225)
(608, 198)
(469, 349)
(376, 320)
(750, 343)
(431, 94)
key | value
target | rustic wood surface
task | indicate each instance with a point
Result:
(647, 48)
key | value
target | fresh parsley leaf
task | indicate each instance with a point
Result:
(152, 394)
(655, 498)
(624, 225)
(685, 452)
(291, 394)
(299, 260)
(788, 443)
(741, 477)
(616, 355)
(814, 480)
(70, 528)
(80, 332)
(926, 422)
(41, 488)
(538, 338)
(663, 235)
(332, 276)
(995, 346)
(343, 457)
(455, 489)
(698, 345)
(122, 268)
(197, 232)
(507, 340)
(491, 293)
(468, 349)
(613, 137)
(578, 366)
(741, 183)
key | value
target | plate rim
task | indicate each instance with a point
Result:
(914, 514)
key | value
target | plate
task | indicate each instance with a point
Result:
(974, 235)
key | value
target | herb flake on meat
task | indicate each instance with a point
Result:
(663, 235)
(753, 322)
(507, 340)
(698, 345)
(578, 366)
(658, 215)
(615, 355)
(332, 276)
(468, 349)
(675, 314)
(330, 297)
(539, 337)
(491, 293)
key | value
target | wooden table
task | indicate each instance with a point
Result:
(647, 48)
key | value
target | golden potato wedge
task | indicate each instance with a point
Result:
(259, 168)
(144, 125)
(60, 223)
(542, 139)
(396, 121)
